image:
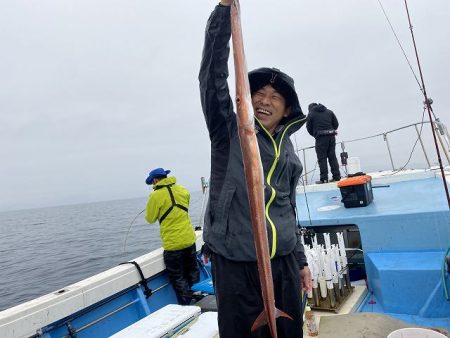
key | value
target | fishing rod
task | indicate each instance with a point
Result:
(428, 101)
(129, 228)
(205, 195)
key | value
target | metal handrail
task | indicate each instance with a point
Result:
(439, 126)
(109, 314)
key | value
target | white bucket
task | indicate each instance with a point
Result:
(415, 332)
(353, 165)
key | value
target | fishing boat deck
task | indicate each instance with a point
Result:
(404, 234)
(347, 322)
(414, 188)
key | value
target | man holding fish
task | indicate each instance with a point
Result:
(258, 262)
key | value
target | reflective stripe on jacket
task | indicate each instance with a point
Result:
(176, 229)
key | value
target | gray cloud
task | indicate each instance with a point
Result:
(94, 94)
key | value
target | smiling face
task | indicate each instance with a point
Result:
(269, 107)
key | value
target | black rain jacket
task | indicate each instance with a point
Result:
(321, 119)
(228, 229)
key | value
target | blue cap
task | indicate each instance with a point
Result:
(155, 173)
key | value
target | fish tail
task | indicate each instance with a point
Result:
(279, 313)
(262, 319)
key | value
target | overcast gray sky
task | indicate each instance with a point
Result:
(94, 94)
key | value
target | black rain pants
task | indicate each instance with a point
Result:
(326, 150)
(183, 272)
(239, 300)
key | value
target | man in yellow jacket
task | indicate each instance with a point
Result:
(168, 204)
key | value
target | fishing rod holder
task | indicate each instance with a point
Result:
(335, 298)
(330, 270)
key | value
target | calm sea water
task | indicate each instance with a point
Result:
(43, 250)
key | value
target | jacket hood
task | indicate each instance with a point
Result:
(165, 181)
(282, 82)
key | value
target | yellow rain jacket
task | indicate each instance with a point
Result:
(176, 229)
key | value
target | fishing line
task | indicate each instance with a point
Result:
(306, 198)
(307, 203)
(129, 228)
(400, 45)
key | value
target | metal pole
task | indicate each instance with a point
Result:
(423, 147)
(428, 102)
(389, 150)
(109, 314)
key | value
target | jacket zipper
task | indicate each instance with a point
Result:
(269, 178)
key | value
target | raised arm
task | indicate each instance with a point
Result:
(214, 93)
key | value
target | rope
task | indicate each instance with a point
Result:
(147, 291)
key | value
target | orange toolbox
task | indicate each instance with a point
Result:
(356, 191)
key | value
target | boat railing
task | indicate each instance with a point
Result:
(441, 132)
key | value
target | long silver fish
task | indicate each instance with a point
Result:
(254, 176)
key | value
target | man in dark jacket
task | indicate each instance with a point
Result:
(322, 124)
(228, 229)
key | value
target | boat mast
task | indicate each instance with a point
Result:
(428, 103)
